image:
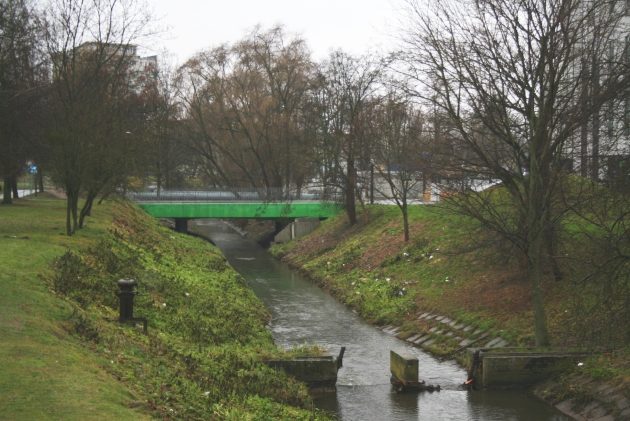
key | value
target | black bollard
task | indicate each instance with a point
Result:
(125, 294)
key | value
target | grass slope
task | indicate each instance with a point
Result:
(67, 357)
(41, 364)
(447, 265)
(451, 266)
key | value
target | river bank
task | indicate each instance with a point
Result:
(304, 313)
(452, 286)
(67, 357)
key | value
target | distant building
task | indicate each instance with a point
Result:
(141, 71)
(601, 147)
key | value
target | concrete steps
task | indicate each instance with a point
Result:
(435, 328)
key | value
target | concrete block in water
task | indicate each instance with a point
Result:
(404, 367)
(316, 372)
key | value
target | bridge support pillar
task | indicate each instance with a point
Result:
(296, 229)
(181, 225)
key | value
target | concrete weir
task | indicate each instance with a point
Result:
(318, 372)
(518, 367)
(404, 370)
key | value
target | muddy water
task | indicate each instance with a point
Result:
(304, 314)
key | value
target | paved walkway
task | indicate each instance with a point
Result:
(60, 194)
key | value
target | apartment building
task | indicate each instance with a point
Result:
(601, 147)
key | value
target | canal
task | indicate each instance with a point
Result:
(302, 313)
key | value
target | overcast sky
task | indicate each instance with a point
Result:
(356, 26)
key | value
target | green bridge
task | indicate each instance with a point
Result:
(243, 210)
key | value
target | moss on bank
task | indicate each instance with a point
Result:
(201, 358)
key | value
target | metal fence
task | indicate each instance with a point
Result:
(222, 196)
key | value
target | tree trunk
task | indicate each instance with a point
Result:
(158, 180)
(75, 214)
(14, 187)
(72, 204)
(86, 210)
(6, 191)
(551, 242)
(534, 273)
(105, 196)
(69, 231)
(371, 184)
(537, 214)
(405, 215)
(40, 180)
(351, 182)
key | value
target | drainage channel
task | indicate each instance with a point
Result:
(302, 313)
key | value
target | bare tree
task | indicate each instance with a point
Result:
(163, 140)
(245, 102)
(91, 49)
(508, 76)
(401, 150)
(348, 84)
(21, 76)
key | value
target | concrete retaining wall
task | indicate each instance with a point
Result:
(508, 368)
(316, 372)
(296, 229)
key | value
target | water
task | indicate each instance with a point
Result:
(304, 314)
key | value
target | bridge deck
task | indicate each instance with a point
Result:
(244, 210)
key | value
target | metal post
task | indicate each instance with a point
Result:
(125, 294)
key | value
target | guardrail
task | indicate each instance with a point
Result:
(222, 196)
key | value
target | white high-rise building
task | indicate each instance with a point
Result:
(601, 148)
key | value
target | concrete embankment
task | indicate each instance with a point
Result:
(583, 398)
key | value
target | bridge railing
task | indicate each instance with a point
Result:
(222, 196)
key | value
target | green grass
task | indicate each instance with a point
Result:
(69, 358)
(45, 372)
(370, 267)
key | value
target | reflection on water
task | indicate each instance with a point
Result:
(303, 313)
